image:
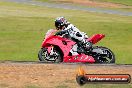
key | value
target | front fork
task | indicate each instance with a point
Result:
(51, 53)
(51, 50)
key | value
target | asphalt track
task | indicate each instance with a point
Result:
(71, 7)
(71, 64)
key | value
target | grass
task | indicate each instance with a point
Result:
(22, 29)
(62, 86)
(32, 86)
(121, 8)
(124, 2)
(107, 86)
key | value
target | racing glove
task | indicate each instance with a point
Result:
(61, 32)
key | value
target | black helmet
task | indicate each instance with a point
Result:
(60, 22)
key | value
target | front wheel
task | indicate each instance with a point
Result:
(45, 56)
(103, 55)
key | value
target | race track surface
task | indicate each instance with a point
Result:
(71, 7)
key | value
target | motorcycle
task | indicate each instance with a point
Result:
(58, 49)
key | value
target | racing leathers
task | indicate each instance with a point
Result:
(76, 34)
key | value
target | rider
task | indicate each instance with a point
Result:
(67, 28)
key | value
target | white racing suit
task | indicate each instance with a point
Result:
(75, 33)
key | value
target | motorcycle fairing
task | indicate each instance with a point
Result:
(64, 44)
(79, 58)
(95, 38)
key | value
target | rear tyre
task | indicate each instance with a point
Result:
(106, 56)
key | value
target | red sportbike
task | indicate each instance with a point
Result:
(58, 49)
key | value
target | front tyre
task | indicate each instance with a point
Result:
(103, 55)
(44, 56)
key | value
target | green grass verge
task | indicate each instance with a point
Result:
(22, 29)
(124, 2)
(32, 86)
(107, 86)
(123, 8)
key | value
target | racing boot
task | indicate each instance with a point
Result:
(87, 46)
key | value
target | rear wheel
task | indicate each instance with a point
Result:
(103, 55)
(44, 56)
